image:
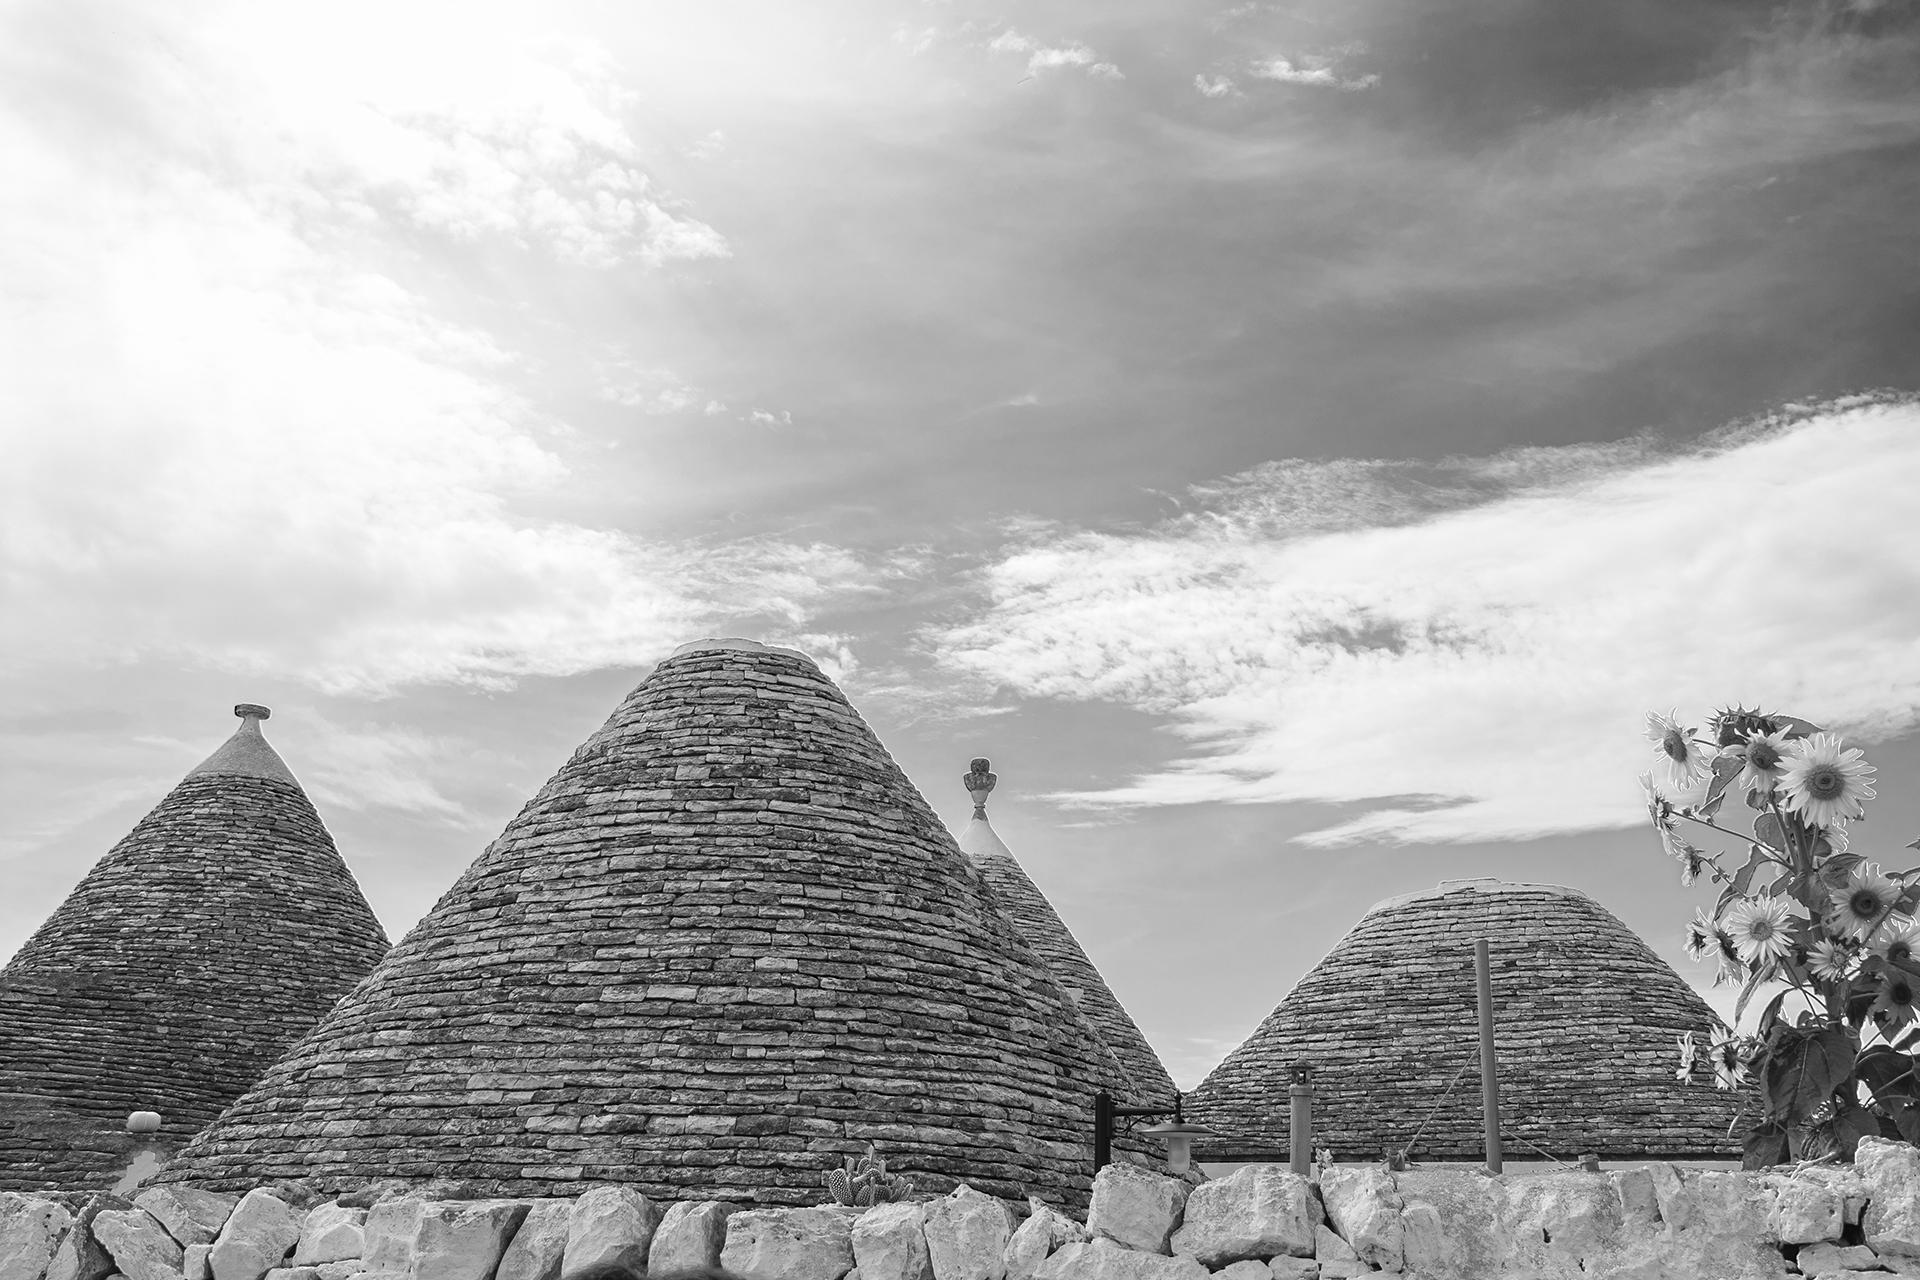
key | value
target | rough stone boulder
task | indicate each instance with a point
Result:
(1133, 1207)
(79, 1256)
(789, 1244)
(1285, 1268)
(1561, 1219)
(463, 1239)
(967, 1233)
(1836, 1260)
(1245, 1270)
(256, 1238)
(690, 1236)
(1106, 1259)
(1804, 1211)
(890, 1243)
(1450, 1226)
(389, 1228)
(1891, 1171)
(609, 1226)
(537, 1248)
(140, 1247)
(1364, 1207)
(30, 1230)
(1259, 1212)
(190, 1215)
(330, 1233)
(1335, 1257)
(1045, 1232)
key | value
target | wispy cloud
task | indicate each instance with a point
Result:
(1467, 648)
(1313, 70)
(627, 383)
(1214, 86)
(372, 766)
(1045, 57)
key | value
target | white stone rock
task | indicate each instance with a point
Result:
(690, 1236)
(463, 1239)
(1844, 1181)
(1284, 1268)
(1258, 1211)
(1135, 1208)
(1835, 1260)
(1639, 1199)
(890, 1243)
(389, 1230)
(1565, 1217)
(340, 1270)
(1364, 1207)
(79, 1256)
(1804, 1212)
(1892, 1174)
(1725, 1227)
(536, 1250)
(256, 1238)
(294, 1273)
(1245, 1269)
(30, 1230)
(139, 1245)
(1045, 1232)
(1106, 1259)
(1452, 1225)
(195, 1266)
(330, 1233)
(190, 1215)
(789, 1244)
(609, 1225)
(967, 1233)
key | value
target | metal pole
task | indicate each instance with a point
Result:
(1102, 1131)
(1489, 1069)
(1300, 1122)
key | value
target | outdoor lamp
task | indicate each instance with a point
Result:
(1109, 1119)
(1179, 1136)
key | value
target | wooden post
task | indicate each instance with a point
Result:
(1300, 1121)
(1489, 1069)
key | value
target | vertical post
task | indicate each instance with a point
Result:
(1102, 1131)
(1489, 1070)
(1300, 1120)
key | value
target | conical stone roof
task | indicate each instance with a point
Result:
(191, 955)
(1044, 931)
(1586, 1023)
(726, 944)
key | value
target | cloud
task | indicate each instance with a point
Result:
(374, 766)
(1214, 86)
(1316, 71)
(627, 383)
(1043, 57)
(767, 418)
(1466, 649)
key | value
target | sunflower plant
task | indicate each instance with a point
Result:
(1831, 1058)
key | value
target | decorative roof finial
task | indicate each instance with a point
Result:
(251, 711)
(979, 784)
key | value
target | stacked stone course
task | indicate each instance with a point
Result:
(205, 942)
(725, 944)
(1261, 1222)
(1587, 1020)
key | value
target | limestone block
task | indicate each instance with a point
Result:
(31, 1229)
(1844, 1181)
(463, 1239)
(1804, 1212)
(890, 1243)
(256, 1238)
(140, 1247)
(1453, 1223)
(1106, 1259)
(1334, 1257)
(190, 1215)
(1566, 1216)
(1892, 1174)
(690, 1235)
(1728, 1227)
(1045, 1232)
(340, 1270)
(1364, 1207)
(1245, 1269)
(196, 1266)
(1135, 1208)
(331, 1233)
(1835, 1260)
(609, 1225)
(1285, 1268)
(1258, 1211)
(967, 1233)
(1639, 1199)
(79, 1256)
(536, 1250)
(789, 1244)
(294, 1273)
(389, 1230)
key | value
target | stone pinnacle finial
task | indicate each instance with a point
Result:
(251, 711)
(980, 784)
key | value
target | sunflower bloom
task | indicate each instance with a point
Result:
(1702, 935)
(1824, 784)
(1685, 757)
(1893, 1008)
(1863, 904)
(1729, 1058)
(1688, 1052)
(1759, 928)
(1828, 960)
(1762, 757)
(1896, 942)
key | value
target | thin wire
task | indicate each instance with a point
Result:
(1406, 1150)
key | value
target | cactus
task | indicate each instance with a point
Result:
(864, 1181)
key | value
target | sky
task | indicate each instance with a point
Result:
(1298, 443)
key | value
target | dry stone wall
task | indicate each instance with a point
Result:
(1650, 1222)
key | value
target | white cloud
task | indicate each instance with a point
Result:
(767, 418)
(1468, 648)
(1315, 71)
(627, 383)
(1214, 86)
(1043, 57)
(379, 766)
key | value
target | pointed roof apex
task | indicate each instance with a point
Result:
(739, 643)
(247, 751)
(980, 839)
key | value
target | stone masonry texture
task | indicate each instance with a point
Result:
(726, 945)
(1586, 1026)
(188, 959)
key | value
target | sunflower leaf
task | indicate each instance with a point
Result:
(1766, 1145)
(1767, 830)
(1838, 869)
(1915, 844)
(1770, 1014)
(1804, 1070)
(1797, 728)
(1754, 982)
(1743, 878)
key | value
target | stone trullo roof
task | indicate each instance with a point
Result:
(1048, 935)
(1586, 1023)
(725, 945)
(191, 955)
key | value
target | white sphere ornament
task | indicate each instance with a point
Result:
(143, 1122)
